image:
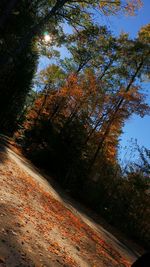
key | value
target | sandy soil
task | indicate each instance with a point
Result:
(40, 228)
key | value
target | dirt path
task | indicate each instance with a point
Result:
(38, 228)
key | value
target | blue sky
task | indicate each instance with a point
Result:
(136, 127)
(130, 24)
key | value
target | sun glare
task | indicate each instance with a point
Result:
(47, 38)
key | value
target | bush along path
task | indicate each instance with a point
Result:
(38, 228)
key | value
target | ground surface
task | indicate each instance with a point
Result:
(39, 228)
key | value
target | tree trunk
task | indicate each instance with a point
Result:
(110, 122)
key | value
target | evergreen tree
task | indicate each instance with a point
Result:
(16, 75)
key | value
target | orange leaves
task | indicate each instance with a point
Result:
(129, 6)
(132, 6)
(77, 95)
(131, 95)
(54, 248)
(72, 88)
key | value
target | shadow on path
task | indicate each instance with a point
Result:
(3, 154)
(12, 252)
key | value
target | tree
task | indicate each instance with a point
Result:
(15, 77)
(92, 47)
(132, 65)
(104, 96)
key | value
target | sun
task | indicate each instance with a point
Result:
(47, 37)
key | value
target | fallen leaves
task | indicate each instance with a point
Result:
(45, 227)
